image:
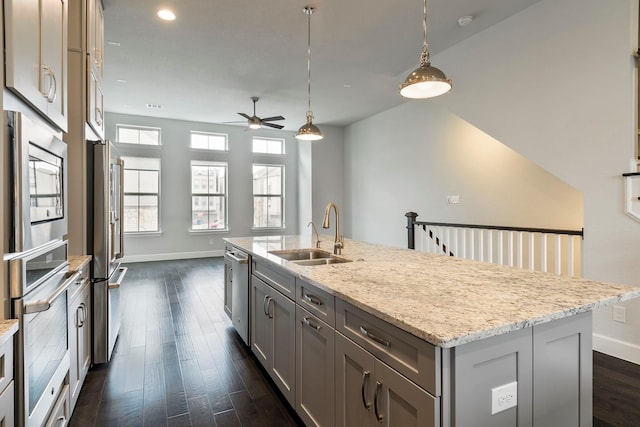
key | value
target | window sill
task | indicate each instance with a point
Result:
(268, 228)
(210, 231)
(143, 234)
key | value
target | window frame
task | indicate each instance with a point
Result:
(268, 195)
(138, 128)
(282, 141)
(205, 133)
(225, 195)
(140, 194)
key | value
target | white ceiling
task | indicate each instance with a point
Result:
(205, 65)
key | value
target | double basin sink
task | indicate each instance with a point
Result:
(309, 257)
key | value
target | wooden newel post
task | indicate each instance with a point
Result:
(411, 236)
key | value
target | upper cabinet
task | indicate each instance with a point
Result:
(95, 67)
(36, 55)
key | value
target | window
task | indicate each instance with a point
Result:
(141, 194)
(137, 135)
(209, 141)
(268, 145)
(208, 195)
(268, 192)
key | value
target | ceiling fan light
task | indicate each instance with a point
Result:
(254, 123)
(309, 132)
(425, 82)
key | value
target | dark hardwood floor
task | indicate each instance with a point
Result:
(178, 362)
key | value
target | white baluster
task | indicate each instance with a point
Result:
(510, 248)
(570, 257)
(532, 252)
(520, 250)
(543, 252)
(559, 254)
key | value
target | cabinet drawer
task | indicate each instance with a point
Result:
(7, 409)
(276, 277)
(82, 280)
(316, 301)
(414, 358)
(6, 363)
(60, 414)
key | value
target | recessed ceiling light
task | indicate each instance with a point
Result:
(166, 15)
(113, 43)
(121, 81)
(154, 106)
(347, 85)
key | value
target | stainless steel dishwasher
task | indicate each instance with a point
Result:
(239, 292)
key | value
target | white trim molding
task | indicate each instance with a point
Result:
(172, 255)
(620, 349)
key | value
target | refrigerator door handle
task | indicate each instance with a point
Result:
(118, 282)
(120, 253)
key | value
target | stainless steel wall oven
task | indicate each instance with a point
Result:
(39, 279)
(39, 174)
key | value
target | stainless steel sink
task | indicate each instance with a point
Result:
(301, 254)
(321, 261)
(309, 257)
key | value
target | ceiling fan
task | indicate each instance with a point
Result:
(256, 122)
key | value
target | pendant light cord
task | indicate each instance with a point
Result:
(309, 11)
(424, 57)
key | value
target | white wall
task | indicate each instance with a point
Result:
(328, 178)
(176, 240)
(556, 84)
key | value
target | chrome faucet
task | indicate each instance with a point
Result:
(316, 233)
(338, 243)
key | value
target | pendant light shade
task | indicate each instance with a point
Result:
(309, 131)
(425, 81)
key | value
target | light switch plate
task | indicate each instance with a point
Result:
(619, 314)
(504, 397)
(452, 200)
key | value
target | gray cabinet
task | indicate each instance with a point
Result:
(369, 392)
(95, 67)
(228, 286)
(36, 55)
(7, 394)
(79, 333)
(273, 335)
(315, 342)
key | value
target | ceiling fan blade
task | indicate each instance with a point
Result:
(272, 125)
(245, 116)
(272, 119)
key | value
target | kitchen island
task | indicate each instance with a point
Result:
(487, 344)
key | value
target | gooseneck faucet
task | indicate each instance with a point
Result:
(338, 243)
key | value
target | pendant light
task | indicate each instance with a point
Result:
(425, 81)
(309, 131)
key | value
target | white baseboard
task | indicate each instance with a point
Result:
(173, 255)
(620, 349)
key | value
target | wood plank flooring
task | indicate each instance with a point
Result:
(178, 362)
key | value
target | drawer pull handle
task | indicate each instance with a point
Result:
(307, 322)
(313, 299)
(265, 306)
(379, 416)
(374, 337)
(365, 380)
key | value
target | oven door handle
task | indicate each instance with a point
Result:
(44, 305)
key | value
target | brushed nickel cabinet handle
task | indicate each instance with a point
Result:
(313, 299)
(307, 322)
(365, 381)
(265, 309)
(379, 416)
(375, 338)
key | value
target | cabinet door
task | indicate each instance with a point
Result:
(399, 402)
(84, 337)
(283, 365)
(22, 33)
(53, 65)
(315, 345)
(74, 324)
(354, 384)
(260, 322)
(228, 283)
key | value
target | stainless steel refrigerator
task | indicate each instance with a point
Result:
(105, 242)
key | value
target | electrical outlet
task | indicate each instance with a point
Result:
(453, 199)
(504, 397)
(619, 314)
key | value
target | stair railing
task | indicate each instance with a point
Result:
(542, 249)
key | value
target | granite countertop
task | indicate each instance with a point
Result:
(8, 327)
(446, 301)
(77, 261)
